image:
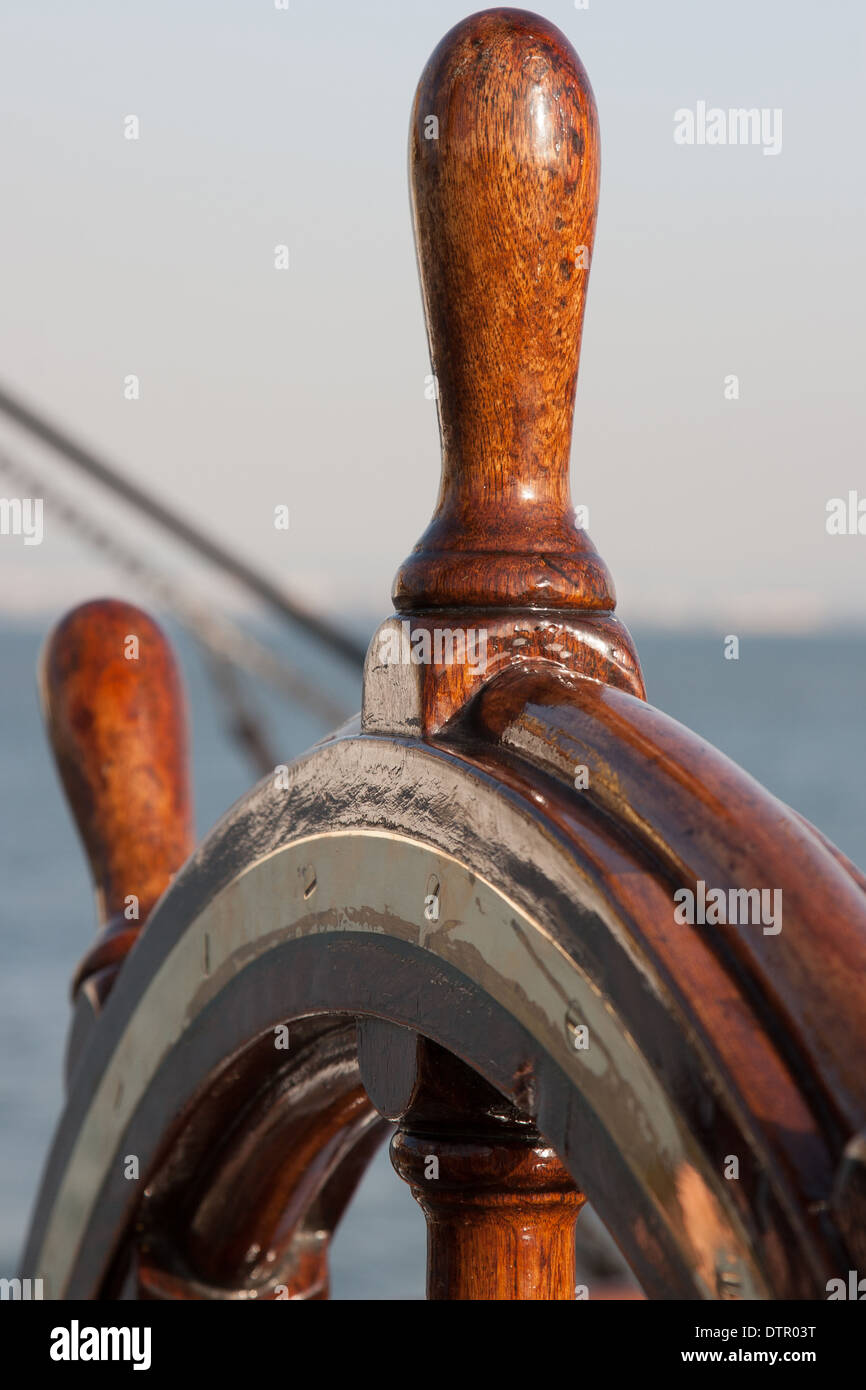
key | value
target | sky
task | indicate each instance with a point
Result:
(305, 387)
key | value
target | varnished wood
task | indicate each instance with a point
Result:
(500, 1205)
(259, 1173)
(504, 168)
(692, 814)
(504, 200)
(445, 658)
(500, 1216)
(117, 725)
(702, 817)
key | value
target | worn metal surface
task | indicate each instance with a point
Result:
(535, 924)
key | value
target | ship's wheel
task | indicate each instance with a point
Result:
(458, 916)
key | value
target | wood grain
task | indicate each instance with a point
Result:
(500, 1205)
(504, 171)
(504, 203)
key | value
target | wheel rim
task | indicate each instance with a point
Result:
(680, 1227)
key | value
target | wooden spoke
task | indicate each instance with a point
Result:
(499, 1204)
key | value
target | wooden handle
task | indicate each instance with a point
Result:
(504, 169)
(115, 715)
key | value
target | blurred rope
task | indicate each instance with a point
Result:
(228, 650)
(76, 453)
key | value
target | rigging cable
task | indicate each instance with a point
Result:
(76, 453)
(229, 650)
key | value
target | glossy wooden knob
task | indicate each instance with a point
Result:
(114, 711)
(504, 170)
